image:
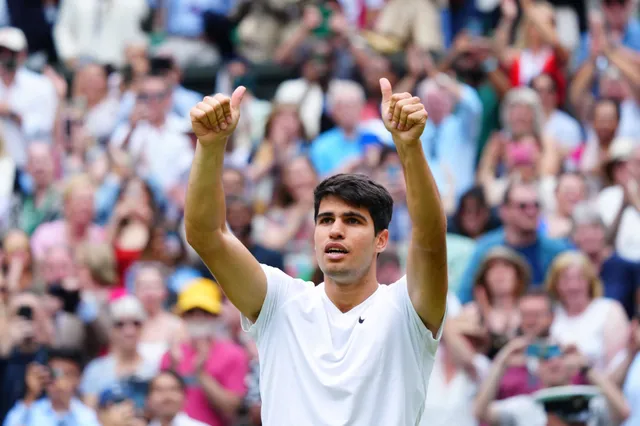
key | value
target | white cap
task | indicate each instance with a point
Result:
(127, 307)
(620, 149)
(13, 39)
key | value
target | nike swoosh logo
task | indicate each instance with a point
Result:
(360, 320)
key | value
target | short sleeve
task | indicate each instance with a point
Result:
(280, 287)
(420, 334)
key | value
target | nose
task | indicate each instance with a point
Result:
(337, 230)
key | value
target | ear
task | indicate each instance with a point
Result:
(382, 239)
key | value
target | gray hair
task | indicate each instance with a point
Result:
(585, 213)
(523, 96)
(340, 89)
(127, 307)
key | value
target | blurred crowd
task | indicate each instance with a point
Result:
(107, 316)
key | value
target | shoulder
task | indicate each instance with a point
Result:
(83, 410)
(490, 240)
(232, 351)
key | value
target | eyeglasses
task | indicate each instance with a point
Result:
(122, 324)
(152, 97)
(614, 2)
(526, 206)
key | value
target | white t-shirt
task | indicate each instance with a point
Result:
(524, 410)
(627, 242)
(318, 366)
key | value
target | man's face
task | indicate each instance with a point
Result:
(536, 316)
(57, 265)
(166, 397)
(233, 182)
(590, 238)
(522, 209)
(150, 289)
(605, 121)
(155, 96)
(126, 333)
(346, 110)
(571, 190)
(616, 12)
(345, 240)
(545, 88)
(9, 60)
(79, 208)
(520, 117)
(439, 104)
(65, 379)
(554, 371)
(40, 165)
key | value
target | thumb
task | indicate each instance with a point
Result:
(385, 88)
(236, 97)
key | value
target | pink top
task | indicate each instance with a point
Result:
(227, 363)
(53, 234)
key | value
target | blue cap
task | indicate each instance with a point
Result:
(113, 395)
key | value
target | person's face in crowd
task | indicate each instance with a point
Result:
(136, 191)
(57, 265)
(573, 286)
(605, 121)
(40, 164)
(150, 289)
(16, 245)
(239, 218)
(616, 12)
(391, 176)
(285, 127)
(233, 182)
(318, 67)
(439, 103)
(126, 333)
(79, 207)
(473, 216)
(93, 83)
(520, 117)
(546, 89)
(620, 172)
(501, 279)
(136, 56)
(536, 315)
(201, 324)
(522, 209)
(156, 98)
(66, 378)
(10, 60)
(166, 396)
(554, 371)
(570, 191)
(345, 227)
(613, 87)
(347, 110)
(590, 238)
(388, 272)
(300, 179)
(230, 316)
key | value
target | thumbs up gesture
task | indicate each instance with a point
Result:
(216, 117)
(403, 114)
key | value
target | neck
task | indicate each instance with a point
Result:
(348, 296)
(576, 307)
(76, 231)
(166, 421)
(548, 110)
(158, 122)
(154, 312)
(502, 302)
(126, 356)
(60, 405)
(518, 238)
(350, 132)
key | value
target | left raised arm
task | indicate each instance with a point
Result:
(405, 117)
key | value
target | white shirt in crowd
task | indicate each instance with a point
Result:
(33, 97)
(365, 367)
(163, 153)
(631, 388)
(181, 419)
(627, 242)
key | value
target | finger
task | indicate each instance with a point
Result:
(409, 107)
(418, 117)
(236, 97)
(219, 109)
(208, 107)
(402, 100)
(386, 90)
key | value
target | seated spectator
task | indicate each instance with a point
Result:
(625, 372)
(389, 174)
(473, 218)
(389, 269)
(161, 328)
(59, 378)
(124, 365)
(600, 136)
(166, 399)
(117, 408)
(77, 225)
(29, 100)
(554, 369)
(520, 213)
(620, 278)
(214, 369)
(598, 327)
(503, 276)
(571, 189)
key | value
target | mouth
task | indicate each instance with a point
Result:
(335, 251)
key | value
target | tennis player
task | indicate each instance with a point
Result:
(348, 351)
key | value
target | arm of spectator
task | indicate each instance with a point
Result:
(616, 331)
(619, 372)
(502, 34)
(460, 350)
(628, 200)
(489, 160)
(627, 67)
(552, 156)
(311, 19)
(540, 20)
(616, 402)
(277, 236)
(482, 406)
(63, 34)
(582, 82)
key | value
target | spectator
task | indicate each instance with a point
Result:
(389, 173)
(29, 99)
(217, 368)
(166, 399)
(597, 326)
(520, 212)
(60, 379)
(18, 262)
(606, 117)
(117, 408)
(473, 217)
(389, 269)
(571, 189)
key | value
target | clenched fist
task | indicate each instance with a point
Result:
(403, 115)
(216, 117)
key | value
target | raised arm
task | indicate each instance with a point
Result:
(405, 117)
(236, 270)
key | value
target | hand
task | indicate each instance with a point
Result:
(59, 83)
(5, 109)
(512, 350)
(403, 115)
(509, 9)
(215, 118)
(311, 18)
(36, 379)
(339, 24)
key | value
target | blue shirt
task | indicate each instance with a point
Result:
(630, 39)
(332, 150)
(539, 256)
(621, 279)
(450, 147)
(41, 413)
(184, 17)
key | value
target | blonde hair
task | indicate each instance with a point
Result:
(100, 259)
(566, 260)
(75, 182)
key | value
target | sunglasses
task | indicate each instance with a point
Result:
(149, 97)
(526, 206)
(122, 324)
(614, 2)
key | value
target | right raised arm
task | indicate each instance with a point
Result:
(234, 267)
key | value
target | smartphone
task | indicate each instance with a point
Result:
(25, 312)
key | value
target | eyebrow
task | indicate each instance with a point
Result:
(347, 214)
